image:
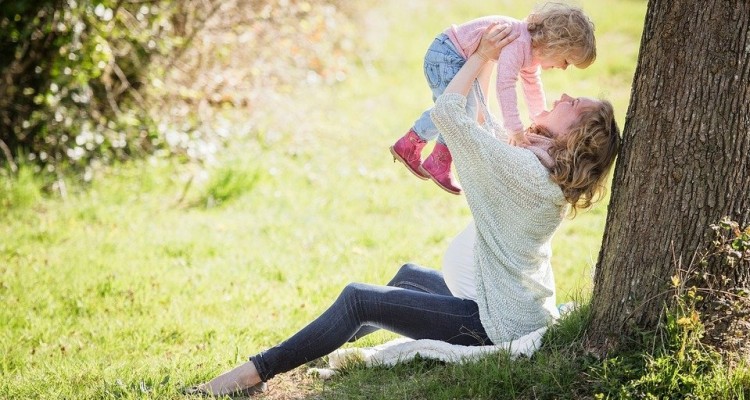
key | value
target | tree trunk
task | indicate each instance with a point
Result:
(684, 162)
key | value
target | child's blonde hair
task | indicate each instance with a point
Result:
(561, 29)
(585, 155)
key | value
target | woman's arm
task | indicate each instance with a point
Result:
(484, 85)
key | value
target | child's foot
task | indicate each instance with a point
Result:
(408, 150)
(438, 167)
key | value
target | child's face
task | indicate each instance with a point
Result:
(554, 61)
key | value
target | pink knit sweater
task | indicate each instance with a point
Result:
(515, 60)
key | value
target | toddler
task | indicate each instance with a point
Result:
(553, 36)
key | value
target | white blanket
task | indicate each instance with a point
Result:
(400, 350)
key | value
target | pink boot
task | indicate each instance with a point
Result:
(408, 150)
(438, 167)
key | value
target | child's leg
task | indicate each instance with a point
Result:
(438, 164)
(441, 63)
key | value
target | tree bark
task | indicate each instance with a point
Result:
(684, 163)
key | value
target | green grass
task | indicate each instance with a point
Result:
(561, 369)
(159, 275)
(551, 373)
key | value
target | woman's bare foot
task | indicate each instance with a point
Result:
(243, 377)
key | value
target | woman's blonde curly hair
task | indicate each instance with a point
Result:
(559, 29)
(585, 155)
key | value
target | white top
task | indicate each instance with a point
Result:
(516, 208)
(458, 264)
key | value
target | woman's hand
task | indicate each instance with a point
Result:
(494, 38)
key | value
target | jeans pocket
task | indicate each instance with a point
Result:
(432, 73)
(440, 74)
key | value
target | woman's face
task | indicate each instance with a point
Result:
(564, 113)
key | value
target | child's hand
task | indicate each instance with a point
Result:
(518, 139)
(494, 38)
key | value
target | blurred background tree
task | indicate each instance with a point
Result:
(85, 83)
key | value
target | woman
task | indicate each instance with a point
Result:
(517, 204)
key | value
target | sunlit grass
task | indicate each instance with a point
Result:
(158, 275)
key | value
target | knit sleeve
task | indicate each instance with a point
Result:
(484, 163)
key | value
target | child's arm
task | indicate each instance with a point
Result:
(508, 68)
(533, 91)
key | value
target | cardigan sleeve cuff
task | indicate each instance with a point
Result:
(456, 99)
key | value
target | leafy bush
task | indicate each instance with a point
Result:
(87, 82)
(71, 78)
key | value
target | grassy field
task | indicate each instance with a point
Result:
(159, 275)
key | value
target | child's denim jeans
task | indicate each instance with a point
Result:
(441, 64)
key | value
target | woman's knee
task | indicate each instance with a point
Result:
(354, 298)
(351, 292)
(404, 273)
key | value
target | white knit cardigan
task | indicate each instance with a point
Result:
(516, 209)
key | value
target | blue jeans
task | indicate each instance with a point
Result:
(441, 64)
(416, 303)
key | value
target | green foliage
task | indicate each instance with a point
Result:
(90, 82)
(227, 184)
(77, 69)
(731, 243)
(681, 367)
(21, 190)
